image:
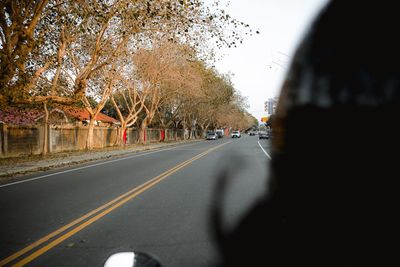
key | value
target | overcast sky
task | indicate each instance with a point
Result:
(260, 63)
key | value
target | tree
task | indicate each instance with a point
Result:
(36, 35)
(159, 74)
(103, 85)
(55, 51)
(18, 21)
(186, 92)
(127, 99)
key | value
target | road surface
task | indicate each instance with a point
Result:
(158, 202)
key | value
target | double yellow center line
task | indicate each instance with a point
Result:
(65, 232)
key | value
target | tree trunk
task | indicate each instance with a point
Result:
(203, 130)
(163, 132)
(142, 132)
(46, 131)
(121, 141)
(89, 139)
(190, 133)
(185, 133)
(166, 134)
(184, 127)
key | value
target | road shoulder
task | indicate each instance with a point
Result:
(12, 168)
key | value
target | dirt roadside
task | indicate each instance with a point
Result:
(11, 169)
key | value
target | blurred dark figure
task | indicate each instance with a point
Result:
(332, 197)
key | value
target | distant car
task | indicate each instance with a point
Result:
(235, 134)
(263, 135)
(252, 133)
(220, 133)
(211, 136)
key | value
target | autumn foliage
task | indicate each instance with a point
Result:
(147, 62)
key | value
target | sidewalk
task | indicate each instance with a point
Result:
(11, 167)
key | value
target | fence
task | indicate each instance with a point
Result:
(28, 140)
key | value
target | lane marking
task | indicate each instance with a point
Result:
(97, 214)
(265, 152)
(92, 165)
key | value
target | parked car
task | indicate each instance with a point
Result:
(211, 136)
(263, 135)
(235, 134)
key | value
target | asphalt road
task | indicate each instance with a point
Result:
(158, 202)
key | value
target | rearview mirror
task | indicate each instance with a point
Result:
(131, 259)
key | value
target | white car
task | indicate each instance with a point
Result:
(235, 134)
(263, 135)
(211, 136)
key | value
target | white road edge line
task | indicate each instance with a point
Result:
(92, 165)
(265, 152)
